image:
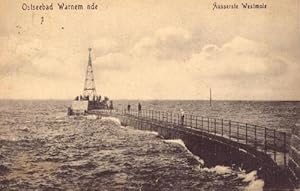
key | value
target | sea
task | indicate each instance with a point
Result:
(41, 148)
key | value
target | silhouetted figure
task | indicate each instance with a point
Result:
(111, 106)
(70, 111)
(139, 107)
(182, 116)
(128, 107)
(76, 98)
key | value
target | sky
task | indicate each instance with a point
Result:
(151, 49)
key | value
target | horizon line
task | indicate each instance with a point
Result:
(143, 99)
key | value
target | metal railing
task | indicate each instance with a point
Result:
(270, 141)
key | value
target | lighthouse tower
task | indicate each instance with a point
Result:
(89, 89)
(89, 100)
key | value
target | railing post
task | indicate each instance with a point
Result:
(151, 111)
(172, 118)
(208, 124)
(255, 138)
(215, 126)
(196, 122)
(284, 146)
(265, 140)
(222, 127)
(167, 117)
(229, 123)
(202, 123)
(153, 114)
(274, 142)
(238, 132)
(246, 133)
(159, 115)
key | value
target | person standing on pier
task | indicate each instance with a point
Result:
(139, 107)
(128, 107)
(182, 116)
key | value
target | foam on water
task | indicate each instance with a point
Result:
(60, 115)
(92, 117)
(141, 131)
(255, 184)
(219, 169)
(111, 119)
(180, 142)
(151, 132)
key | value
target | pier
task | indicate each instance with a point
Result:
(219, 141)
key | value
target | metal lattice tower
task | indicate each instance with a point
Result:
(89, 83)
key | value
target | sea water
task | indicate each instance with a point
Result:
(42, 148)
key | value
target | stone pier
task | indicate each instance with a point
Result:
(294, 153)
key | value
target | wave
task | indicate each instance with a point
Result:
(140, 131)
(219, 169)
(116, 121)
(180, 142)
(255, 184)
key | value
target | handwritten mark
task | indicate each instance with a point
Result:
(19, 28)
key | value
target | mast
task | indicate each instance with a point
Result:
(209, 96)
(89, 82)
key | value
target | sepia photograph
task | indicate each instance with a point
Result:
(150, 95)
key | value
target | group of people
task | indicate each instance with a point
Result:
(81, 97)
(140, 109)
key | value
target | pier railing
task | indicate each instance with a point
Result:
(270, 141)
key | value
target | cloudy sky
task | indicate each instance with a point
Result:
(151, 49)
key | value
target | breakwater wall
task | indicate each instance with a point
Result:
(213, 144)
(294, 154)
